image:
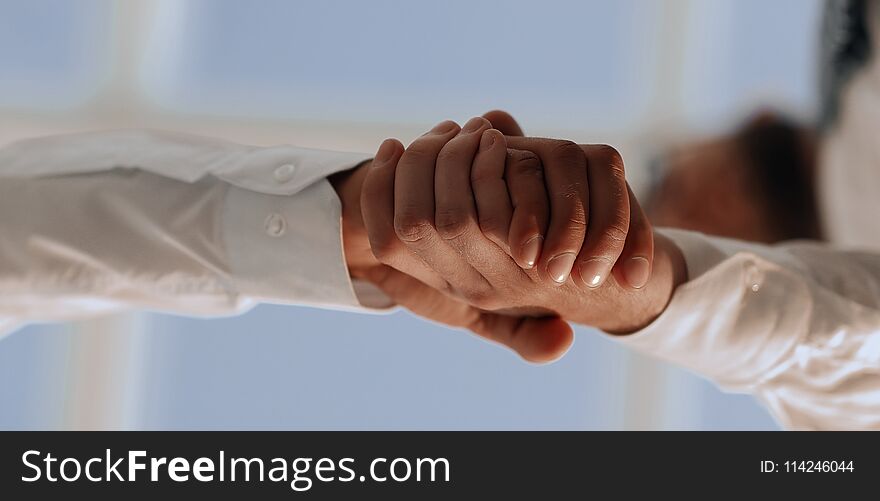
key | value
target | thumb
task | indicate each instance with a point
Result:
(537, 340)
(504, 122)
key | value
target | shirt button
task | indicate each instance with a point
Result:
(275, 225)
(753, 277)
(284, 173)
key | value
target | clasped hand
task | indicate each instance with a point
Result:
(509, 236)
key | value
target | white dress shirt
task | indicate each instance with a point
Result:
(796, 324)
(100, 221)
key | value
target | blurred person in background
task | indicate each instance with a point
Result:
(756, 183)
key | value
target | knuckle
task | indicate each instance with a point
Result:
(412, 228)
(567, 151)
(384, 249)
(484, 176)
(616, 232)
(420, 151)
(450, 153)
(571, 219)
(525, 164)
(619, 196)
(538, 211)
(568, 217)
(451, 223)
(570, 191)
(575, 215)
(578, 218)
(611, 157)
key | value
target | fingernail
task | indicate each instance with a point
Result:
(593, 271)
(386, 151)
(636, 271)
(560, 267)
(530, 251)
(443, 127)
(473, 125)
(487, 140)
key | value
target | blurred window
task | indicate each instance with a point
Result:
(559, 63)
(740, 53)
(53, 53)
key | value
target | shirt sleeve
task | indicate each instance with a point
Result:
(151, 220)
(797, 324)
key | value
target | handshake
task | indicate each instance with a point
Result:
(508, 236)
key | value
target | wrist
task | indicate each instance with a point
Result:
(625, 310)
(355, 243)
(672, 273)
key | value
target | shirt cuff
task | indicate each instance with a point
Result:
(288, 249)
(723, 322)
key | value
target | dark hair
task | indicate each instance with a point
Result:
(782, 164)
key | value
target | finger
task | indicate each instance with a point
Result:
(414, 213)
(609, 215)
(414, 184)
(504, 122)
(531, 208)
(377, 207)
(377, 198)
(637, 259)
(455, 215)
(494, 210)
(565, 172)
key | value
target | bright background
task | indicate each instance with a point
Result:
(344, 75)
